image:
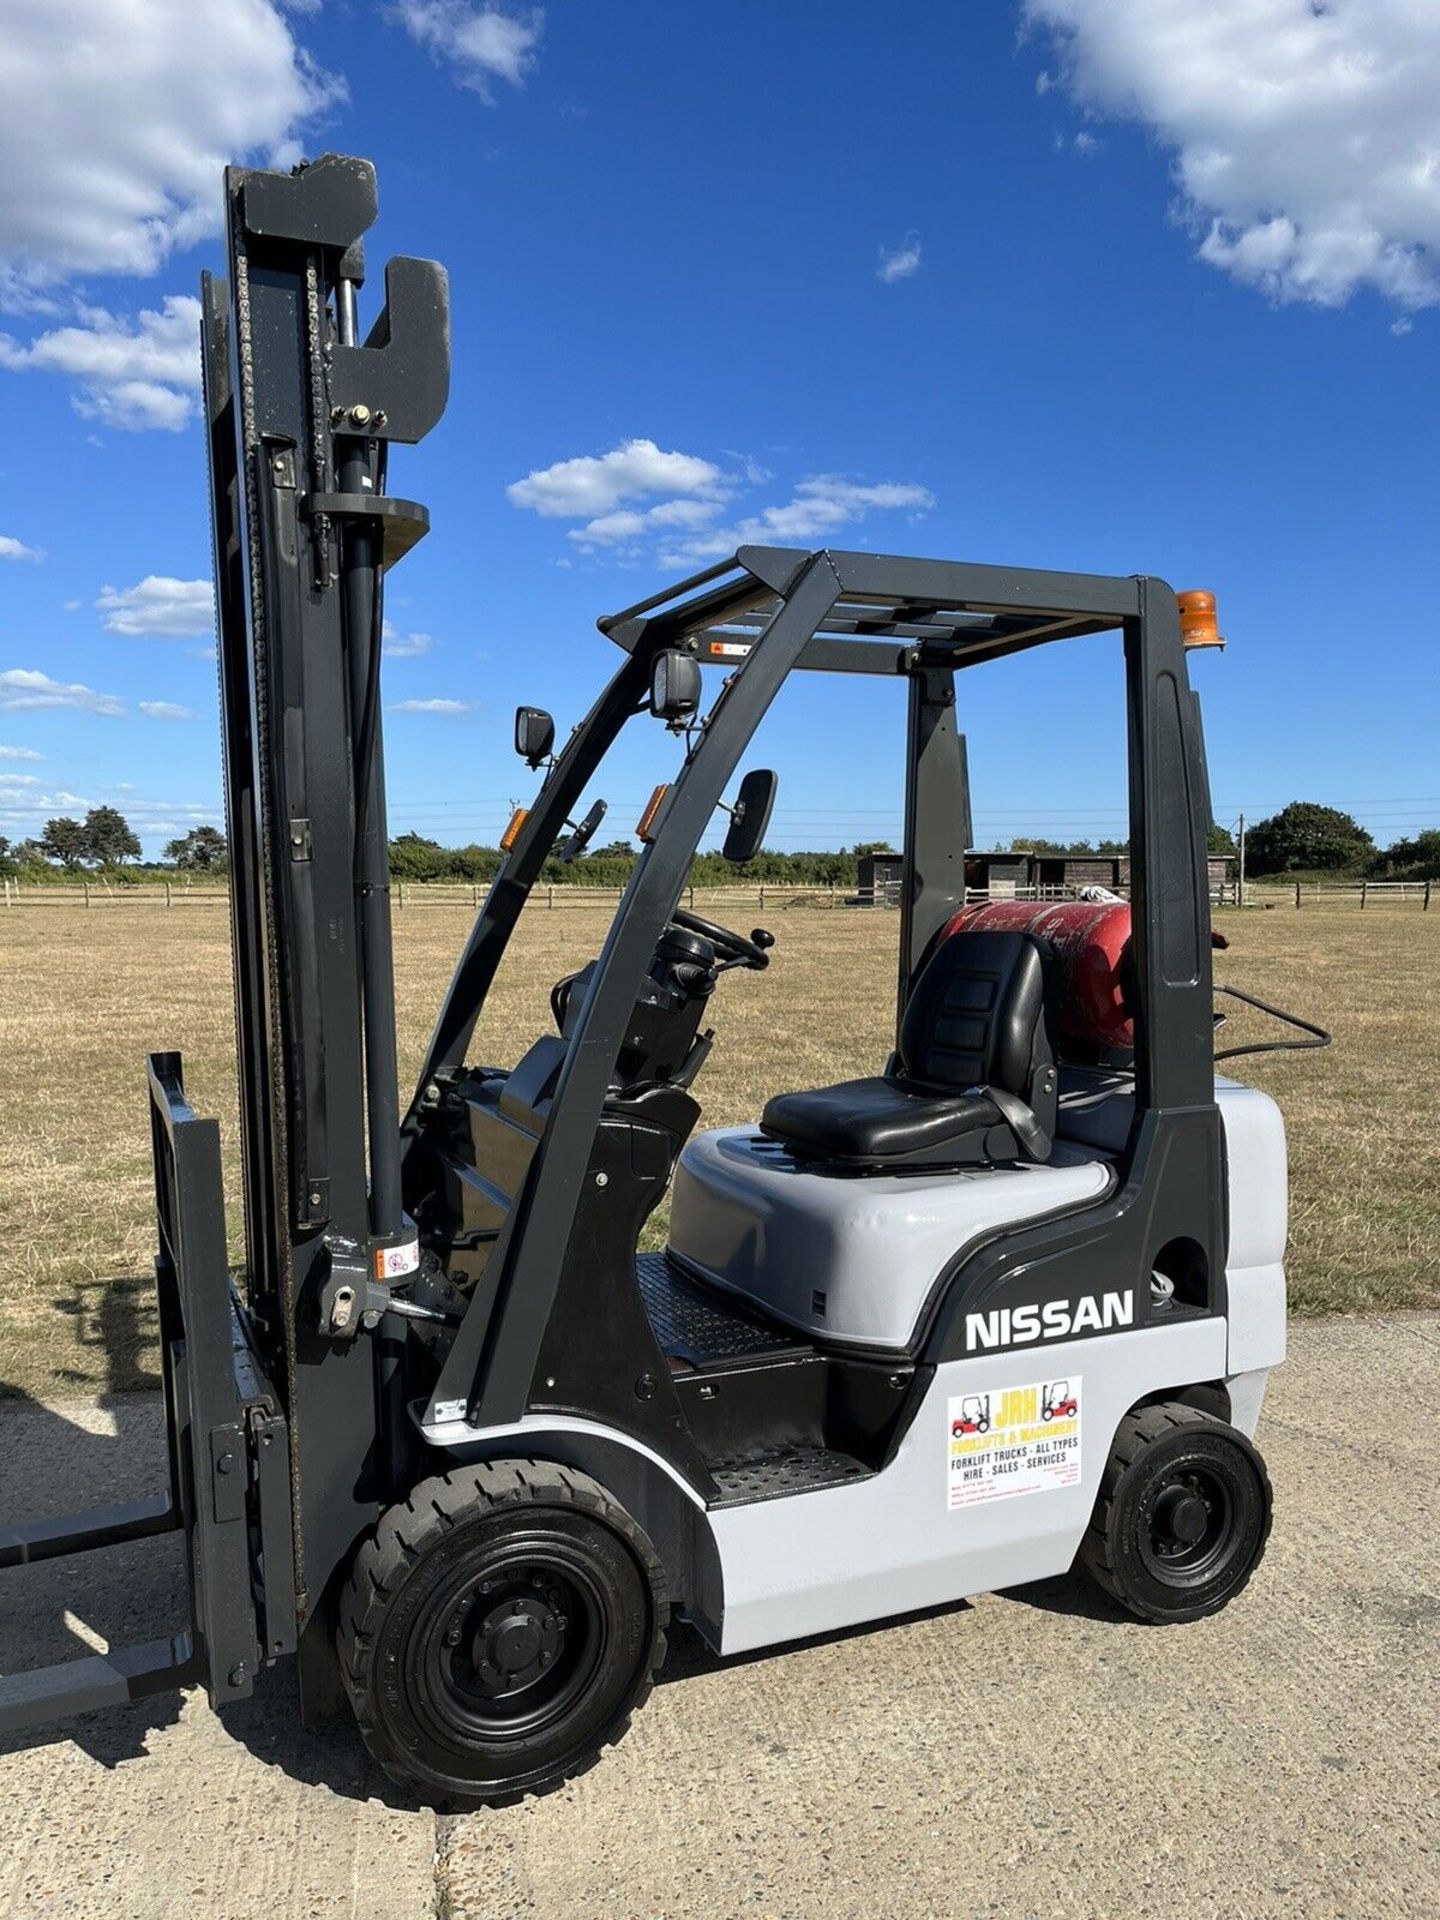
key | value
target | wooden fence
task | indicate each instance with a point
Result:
(1297, 894)
(410, 895)
(99, 893)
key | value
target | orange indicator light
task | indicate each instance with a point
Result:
(1198, 625)
(652, 808)
(512, 832)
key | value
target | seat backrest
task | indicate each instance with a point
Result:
(976, 1015)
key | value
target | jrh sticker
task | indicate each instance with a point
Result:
(1013, 1440)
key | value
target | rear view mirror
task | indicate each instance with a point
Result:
(674, 686)
(575, 843)
(534, 735)
(750, 815)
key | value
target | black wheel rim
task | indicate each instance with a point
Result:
(1187, 1529)
(511, 1646)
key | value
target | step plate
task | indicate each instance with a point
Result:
(695, 1325)
(788, 1470)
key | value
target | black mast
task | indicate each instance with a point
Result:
(300, 416)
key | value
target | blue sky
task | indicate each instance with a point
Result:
(987, 282)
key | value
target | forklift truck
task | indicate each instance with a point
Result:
(449, 1445)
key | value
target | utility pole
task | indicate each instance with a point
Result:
(1240, 882)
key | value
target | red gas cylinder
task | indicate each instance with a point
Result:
(1091, 944)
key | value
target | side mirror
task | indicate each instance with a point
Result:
(575, 843)
(674, 686)
(534, 735)
(750, 815)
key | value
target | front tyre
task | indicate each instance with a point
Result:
(498, 1631)
(1182, 1516)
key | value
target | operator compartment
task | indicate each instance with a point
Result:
(843, 1213)
(483, 1129)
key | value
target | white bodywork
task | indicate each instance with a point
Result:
(819, 1561)
(1259, 1220)
(864, 1549)
(850, 1258)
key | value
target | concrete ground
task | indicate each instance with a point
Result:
(1031, 1754)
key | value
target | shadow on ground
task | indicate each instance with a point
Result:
(118, 1321)
(56, 1462)
(92, 1454)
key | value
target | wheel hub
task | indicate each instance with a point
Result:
(517, 1639)
(1187, 1521)
(1185, 1517)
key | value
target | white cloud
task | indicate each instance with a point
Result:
(1305, 133)
(431, 706)
(115, 122)
(482, 43)
(23, 690)
(630, 523)
(25, 806)
(27, 812)
(165, 710)
(597, 490)
(177, 609)
(596, 484)
(133, 374)
(405, 646)
(13, 549)
(10, 782)
(818, 508)
(899, 263)
(20, 753)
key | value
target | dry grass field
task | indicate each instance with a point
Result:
(84, 996)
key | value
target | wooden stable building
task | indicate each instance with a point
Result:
(1061, 873)
(1005, 873)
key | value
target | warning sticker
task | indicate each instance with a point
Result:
(1013, 1440)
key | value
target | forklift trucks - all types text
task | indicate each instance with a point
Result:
(452, 1445)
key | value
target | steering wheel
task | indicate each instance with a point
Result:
(733, 947)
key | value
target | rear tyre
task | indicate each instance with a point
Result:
(1182, 1516)
(498, 1631)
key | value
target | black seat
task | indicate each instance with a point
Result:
(973, 1083)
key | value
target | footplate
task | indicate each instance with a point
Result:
(696, 1325)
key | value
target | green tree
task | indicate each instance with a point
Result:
(1219, 839)
(413, 857)
(108, 838)
(1024, 843)
(1417, 859)
(202, 850)
(64, 840)
(863, 847)
(1306, 837)
(7, 860)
